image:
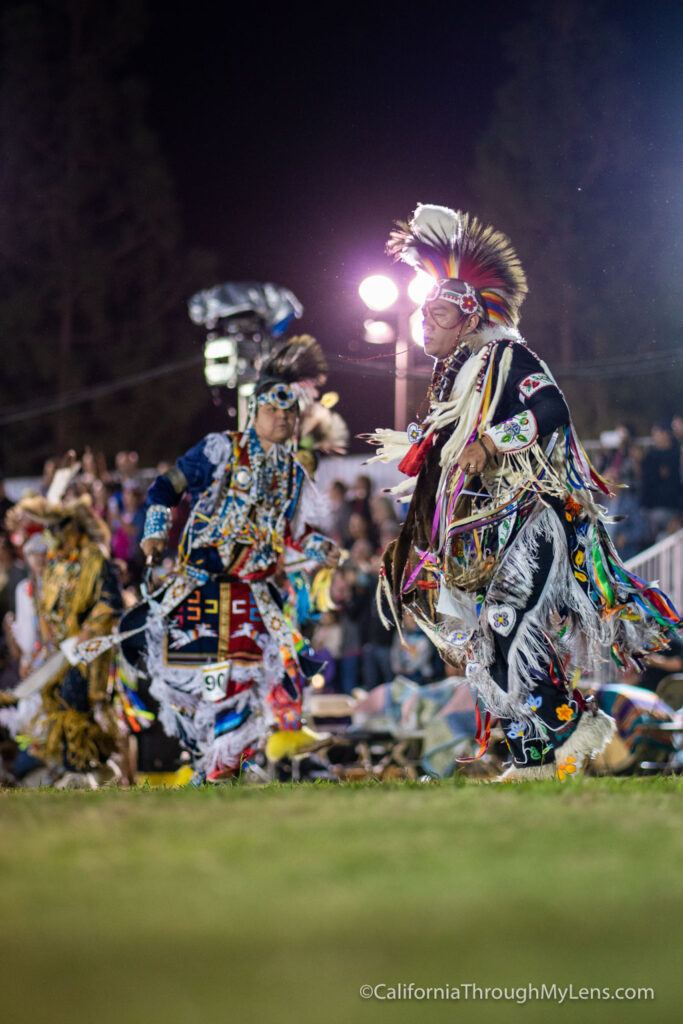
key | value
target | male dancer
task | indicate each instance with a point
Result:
(225, 664)
(503, 558)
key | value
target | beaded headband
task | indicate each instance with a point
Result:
(282, 396)
(460, 293)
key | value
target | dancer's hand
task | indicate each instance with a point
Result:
(473, 457)
(153, 549)
(333, 555)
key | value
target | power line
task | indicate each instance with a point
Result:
(618, 368)
(644, 363)
(17, 413)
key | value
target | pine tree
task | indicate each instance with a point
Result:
(564, 168)
(92, 278)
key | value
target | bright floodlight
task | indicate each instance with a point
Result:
(379, 332)
(220, 362)
(419, 288)
(378, 292)
(219, 348)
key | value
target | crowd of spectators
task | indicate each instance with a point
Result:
(117, 495)
(645, 476)
(361, 652)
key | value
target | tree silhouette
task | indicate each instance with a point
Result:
(566, 168)
(93, 282)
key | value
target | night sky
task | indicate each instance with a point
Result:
(296, 139)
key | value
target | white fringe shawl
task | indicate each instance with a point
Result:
(185, 714)
(25, 717)
(512, 585)
(463, 408)
(224, 751)
(465, 404)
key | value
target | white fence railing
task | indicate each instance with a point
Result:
(662, 564)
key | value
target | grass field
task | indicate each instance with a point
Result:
(278, 903)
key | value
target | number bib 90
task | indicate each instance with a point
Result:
(215, 678)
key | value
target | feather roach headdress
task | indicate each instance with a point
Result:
(474, 266)
(292, 372)
(39, 511)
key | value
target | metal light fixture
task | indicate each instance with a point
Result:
(243, 321)
(220, 362)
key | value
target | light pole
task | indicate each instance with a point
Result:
(381, 295)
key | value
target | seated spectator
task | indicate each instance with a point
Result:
(360, 557)
(658, 666)
(126, 470)
(382, 511)
(360, 500)
(618, 460)
(12, 570)
(630, 532)
(326, 640)
(360, 528)
(340, 510)
(376, 640)
(348, 594)
(414, 657)
(129, 524)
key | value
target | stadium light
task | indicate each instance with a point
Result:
(380, 294)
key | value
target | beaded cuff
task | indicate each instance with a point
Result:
(157, 522)
(533, 383)
(515, 434)
(313, 547)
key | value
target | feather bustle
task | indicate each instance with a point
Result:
(297, 361)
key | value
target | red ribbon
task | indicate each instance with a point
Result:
(482, 737)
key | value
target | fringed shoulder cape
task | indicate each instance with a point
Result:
(461, 529)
